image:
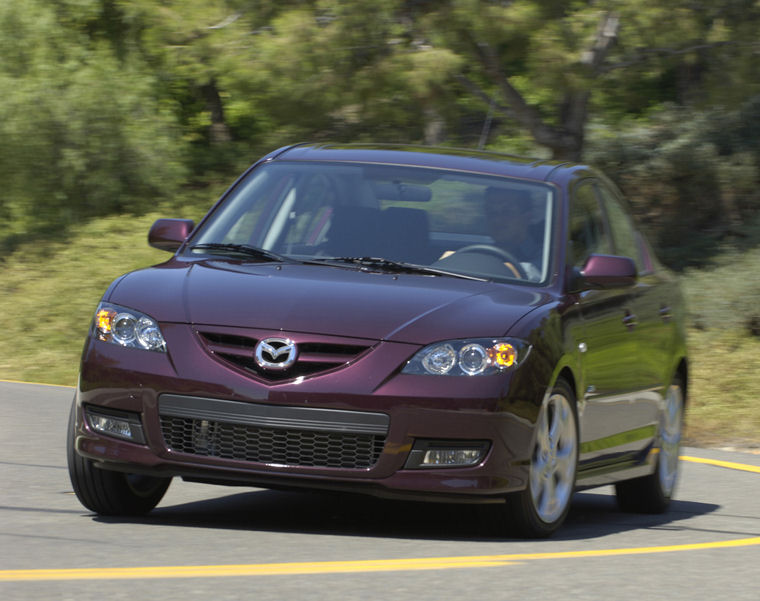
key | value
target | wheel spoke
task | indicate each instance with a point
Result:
(550, 501)
(535, 486)
(565, 463)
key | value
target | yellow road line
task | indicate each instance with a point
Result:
(727, 464)
(344, 567)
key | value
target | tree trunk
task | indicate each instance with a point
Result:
(219, 132)
(565, 140)
(435, 128)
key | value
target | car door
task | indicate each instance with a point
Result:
(610, 370)
(651, 320)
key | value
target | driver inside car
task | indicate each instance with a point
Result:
(508, 219)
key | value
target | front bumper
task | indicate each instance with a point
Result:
(351, 429)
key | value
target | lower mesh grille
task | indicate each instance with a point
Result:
(271, 445)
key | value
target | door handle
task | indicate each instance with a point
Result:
(629, 320)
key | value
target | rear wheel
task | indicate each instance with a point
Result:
(652, 494)
(107, 492)
(539, 510)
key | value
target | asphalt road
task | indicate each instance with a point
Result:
(205, 542)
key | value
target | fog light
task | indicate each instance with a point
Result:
(440, 453)
(126, 426)
(452, 457)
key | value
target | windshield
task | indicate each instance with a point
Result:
(483, 226)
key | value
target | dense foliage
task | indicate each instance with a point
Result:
(108, 106)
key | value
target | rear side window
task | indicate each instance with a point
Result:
(587, 233)
(624, 236)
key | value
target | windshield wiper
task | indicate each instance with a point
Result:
(393, 266)
(241, 249)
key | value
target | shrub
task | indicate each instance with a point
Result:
(693, 179)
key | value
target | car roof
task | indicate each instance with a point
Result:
(437, 157)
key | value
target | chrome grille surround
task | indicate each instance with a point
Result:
(236, 347)
(294, 436)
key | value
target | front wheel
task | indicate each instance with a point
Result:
(652, 494)
(539, 510)
(107, 492)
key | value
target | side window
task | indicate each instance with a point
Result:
(587, 233)
(624, 236)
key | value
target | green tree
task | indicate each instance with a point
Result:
(107, 105)
(551, 67)
(83, 133)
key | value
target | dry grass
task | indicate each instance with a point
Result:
(725, 389)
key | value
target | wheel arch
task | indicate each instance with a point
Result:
(566, 367)
(567, 374)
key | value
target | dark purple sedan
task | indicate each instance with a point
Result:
(419, 323)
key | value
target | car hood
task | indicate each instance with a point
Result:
(325, 300)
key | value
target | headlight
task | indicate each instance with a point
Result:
(127, 327)
(477, 357)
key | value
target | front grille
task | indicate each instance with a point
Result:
(314, 356)
(294, 436)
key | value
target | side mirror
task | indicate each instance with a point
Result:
(169, 234)
(605, 271)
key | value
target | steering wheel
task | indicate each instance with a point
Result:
(500, 253)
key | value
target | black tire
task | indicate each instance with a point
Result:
(540, 509)
(107, 492)
(652, 493)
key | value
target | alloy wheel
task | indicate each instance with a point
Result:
(552, 470)
(671, 440)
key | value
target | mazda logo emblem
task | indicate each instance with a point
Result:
(275, 354)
